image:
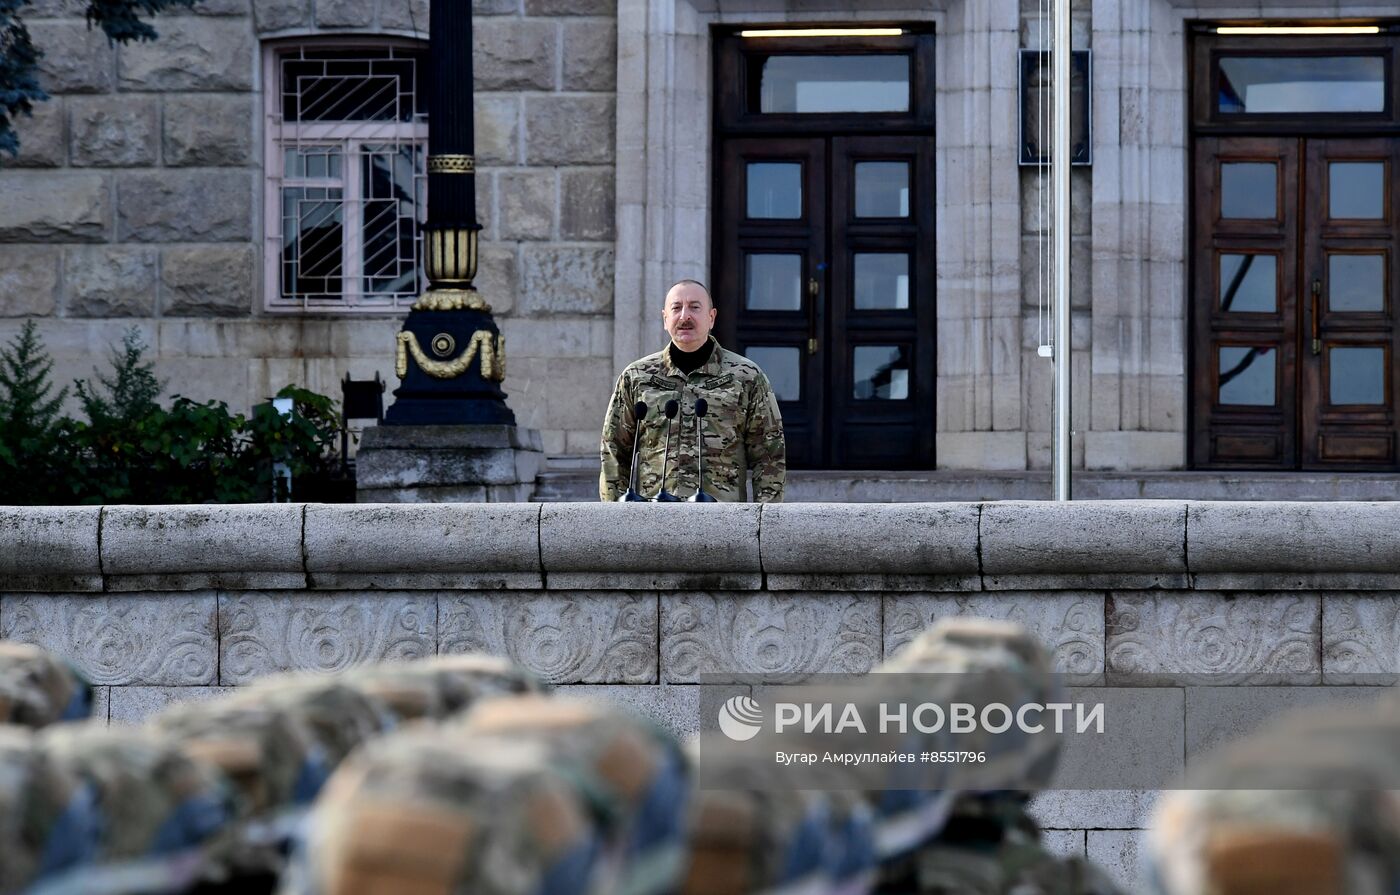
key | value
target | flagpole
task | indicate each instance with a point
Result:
(1061, 446)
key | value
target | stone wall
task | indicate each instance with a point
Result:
(137, 201)
(157, 604)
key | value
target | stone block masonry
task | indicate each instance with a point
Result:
(1282, 604)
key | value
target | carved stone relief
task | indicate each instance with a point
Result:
(768, 635)
(166, 640)
(262, 633)
(564, 638)
(1069, 623)
(1233, 638)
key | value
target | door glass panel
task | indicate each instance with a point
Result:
(1357, 375)
(1249, 190)
(1356, 189)
(1356, 282)
(775, 190)
(1249, 283)
(782, 365)
(773, 282)
(882, 189)
(881, 372)
(1247, 375)
(882, 281)
(1289, 84)
(806, 84)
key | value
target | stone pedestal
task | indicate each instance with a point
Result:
(447, 464)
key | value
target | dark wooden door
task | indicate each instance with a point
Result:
(771, 264)
(825, 272)
(1350, 238)
(1246, 303)
(1294, 296)
(879, 351)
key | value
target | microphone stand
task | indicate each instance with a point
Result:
(701, 408)
(639, 412)
(663, 496)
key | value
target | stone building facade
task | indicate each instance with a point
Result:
(141, 198)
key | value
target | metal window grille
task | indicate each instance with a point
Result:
(346, 178)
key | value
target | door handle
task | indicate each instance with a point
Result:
(814, 289)
(1316, 329)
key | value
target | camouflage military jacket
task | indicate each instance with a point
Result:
(743, 430)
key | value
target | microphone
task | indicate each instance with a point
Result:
(639, 412)
(701, 408)
(663, 496)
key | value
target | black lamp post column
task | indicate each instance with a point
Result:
(450, 355)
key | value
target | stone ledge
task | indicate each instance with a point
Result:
(898, 548)
(1125, 544)
(50, 549)
(647, 545)
(240, 546)
(870, 546)
(1294, 546)
(454, 546)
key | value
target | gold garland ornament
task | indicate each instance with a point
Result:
(493, 357)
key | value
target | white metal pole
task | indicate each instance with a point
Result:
(1059, 174)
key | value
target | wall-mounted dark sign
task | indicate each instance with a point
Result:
(1037, 107)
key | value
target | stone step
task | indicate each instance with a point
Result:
(846, 486)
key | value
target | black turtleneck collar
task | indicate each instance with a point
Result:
(690, 361)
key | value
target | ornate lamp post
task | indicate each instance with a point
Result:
(450, 355)
(449, 435)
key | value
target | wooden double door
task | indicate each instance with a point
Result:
(824, 262)
(1294, 291)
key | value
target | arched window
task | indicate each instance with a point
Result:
(346, 186)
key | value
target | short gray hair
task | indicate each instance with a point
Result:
(687, 281)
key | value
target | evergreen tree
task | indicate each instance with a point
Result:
(30, 437)
(131, 390)
(120, 20)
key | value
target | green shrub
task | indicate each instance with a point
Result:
(130, 449)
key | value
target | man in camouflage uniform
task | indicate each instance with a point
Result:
(743, 430)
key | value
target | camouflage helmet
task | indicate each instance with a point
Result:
(38, 688)
(964, 643)
(272, 756)
(1312, 806)
(633, 772)
(748, 837)
(157, 808)
(965, 659)
(338, 716)
(48, 816)
(442, 685)
(414, 811)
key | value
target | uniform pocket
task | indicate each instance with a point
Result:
(724, 418)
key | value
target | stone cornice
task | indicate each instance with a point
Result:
(997, 546)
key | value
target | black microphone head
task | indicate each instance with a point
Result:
(673, 407)
(639, 410)
(701, 406)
